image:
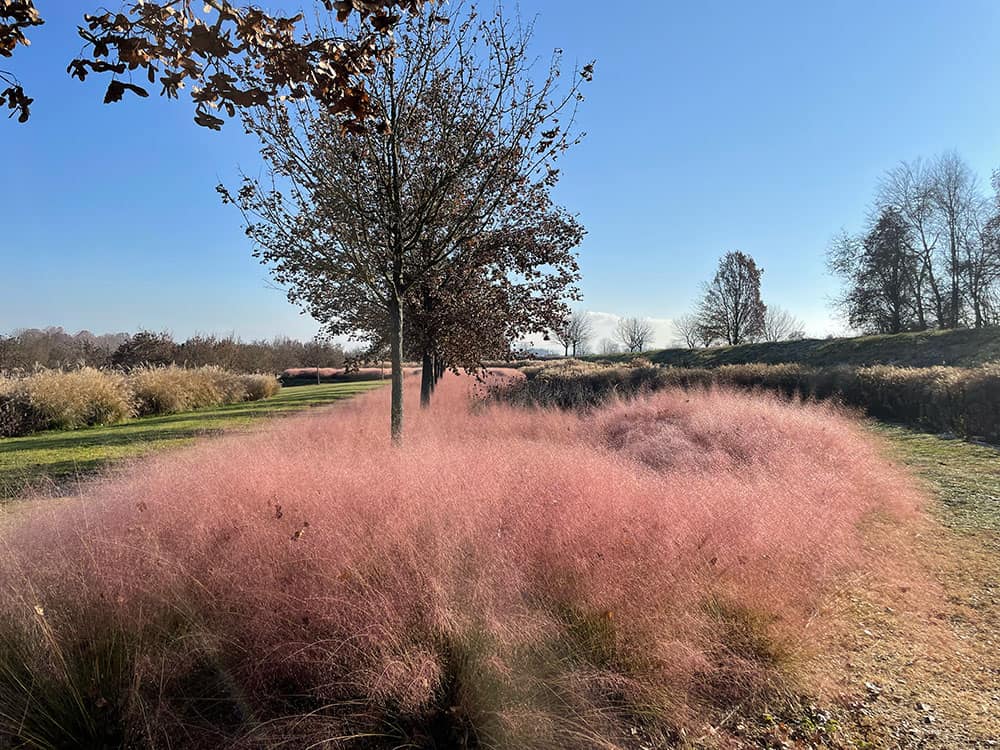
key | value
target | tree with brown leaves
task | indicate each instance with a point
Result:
(441, 210)
(732, 309)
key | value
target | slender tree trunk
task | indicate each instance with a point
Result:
(955, 281)
(918, 297)
(938, 301)
(396, 293)
(396, 359)
(427, 376)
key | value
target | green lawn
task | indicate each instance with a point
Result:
(58, 458)
(965, 477)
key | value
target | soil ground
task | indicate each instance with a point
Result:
(915, 659)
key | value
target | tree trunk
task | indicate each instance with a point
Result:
(427, 376)
(396, 359)
(955, 281)
(919, 300)
(938, 300)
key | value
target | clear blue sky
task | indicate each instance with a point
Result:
(712, 126)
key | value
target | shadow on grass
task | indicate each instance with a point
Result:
(83, 441)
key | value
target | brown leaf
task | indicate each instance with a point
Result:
(116, 91)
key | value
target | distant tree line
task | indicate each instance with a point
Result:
(731, 312)
(54, 348)
(929, 253)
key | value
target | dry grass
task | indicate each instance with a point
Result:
(78, 398)
(961, 401)
(66, 400)
(508, 578)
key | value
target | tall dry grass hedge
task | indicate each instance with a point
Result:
(509, 578)
(66, 400)
(961, 401)
(172, 389)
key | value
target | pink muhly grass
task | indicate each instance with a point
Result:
(513, 578)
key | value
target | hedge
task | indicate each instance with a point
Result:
(961, 401)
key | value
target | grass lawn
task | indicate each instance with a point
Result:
(57, 458)
(964, 477)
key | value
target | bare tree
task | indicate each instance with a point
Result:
(610, 347)
(574, 333)
(909, 188)
(981, 259)
(732, 309)
(688, 331)
(635, 334)
(781, 325)
(956, 198)
(449, 187)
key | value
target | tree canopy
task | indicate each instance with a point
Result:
(732, 309)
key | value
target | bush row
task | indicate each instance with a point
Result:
(962, 401)
(67, 400)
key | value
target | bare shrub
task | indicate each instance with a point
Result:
(17, 416)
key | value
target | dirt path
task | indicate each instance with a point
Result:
(915, 661)
(931, 679)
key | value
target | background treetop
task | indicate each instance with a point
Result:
(209, 45)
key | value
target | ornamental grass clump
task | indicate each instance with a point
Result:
(173, 389)
(508, 578)
(69, 400)
(259, 386)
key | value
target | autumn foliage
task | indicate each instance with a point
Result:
(232, 55)
(507, 578)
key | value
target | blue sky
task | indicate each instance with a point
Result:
(712, 126)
